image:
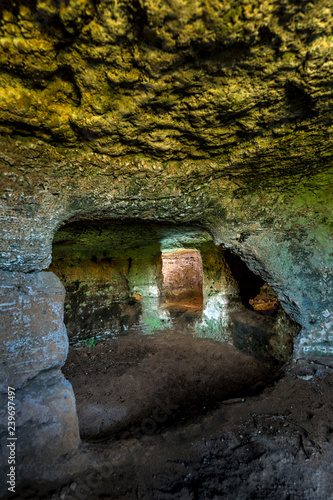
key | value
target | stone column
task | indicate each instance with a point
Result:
(33, 347)
(220, 294)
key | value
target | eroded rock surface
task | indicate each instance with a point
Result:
(175, 80)
(33, 335)
(46, 427)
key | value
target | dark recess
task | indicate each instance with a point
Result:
(298, 100)
(248, 282)
(268, 37)
(138, 16)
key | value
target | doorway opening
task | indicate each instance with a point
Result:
(254, 292)
(183, 277)
(182, 286)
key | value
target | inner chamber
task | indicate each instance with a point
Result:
(161, 322)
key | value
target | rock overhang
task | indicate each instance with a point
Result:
(216, 115)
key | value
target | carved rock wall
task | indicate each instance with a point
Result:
(33, 347)
(281, 228)
(33, 304)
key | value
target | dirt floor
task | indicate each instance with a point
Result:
(140, 382)
(277, 444)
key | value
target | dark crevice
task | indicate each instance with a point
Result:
(25, 129)
(67, 74)
(268, 37)
(219, 52)
(298, 100)
(138, 17)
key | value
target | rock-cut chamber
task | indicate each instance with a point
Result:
(158, 315)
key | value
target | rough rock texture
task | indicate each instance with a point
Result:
(174, 79)
(46, 425)
(33, 336)
(34, 345)
(282, 232)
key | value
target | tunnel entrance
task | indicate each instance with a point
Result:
(157, 324)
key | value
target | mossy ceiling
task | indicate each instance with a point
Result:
(170, 79)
